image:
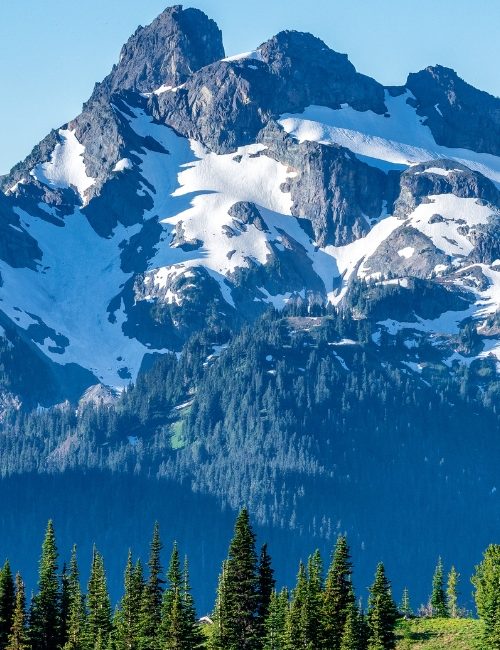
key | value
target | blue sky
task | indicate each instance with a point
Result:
(52, 51)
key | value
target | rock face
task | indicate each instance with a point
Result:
(165, 53)
(226, 104)
(332, 188)
(442, 177)
(458, 114)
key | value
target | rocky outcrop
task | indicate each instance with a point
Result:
(442, 177)
(333, 189)
(165, 53)
(458, 114)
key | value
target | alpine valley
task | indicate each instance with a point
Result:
(262, 280)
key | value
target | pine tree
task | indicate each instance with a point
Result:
(265, 588)
(438, 596)
(240, 590)
(339, 595)
(405, 608)
(275, 624)
(98, 604)
(314, 600)
(63, 631)
(382, 613)
(7, 603)
(452, 592)
(487, 595)
(352, 635)
(194, 637)
(75, 620)
(219, 634)
(128, 617)
(151, 608)
(45, 609)
(18, 637)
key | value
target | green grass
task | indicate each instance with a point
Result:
(177, 439)
(439, 634)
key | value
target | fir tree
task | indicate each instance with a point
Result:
(151, 608)
(352, 635)
(194, 637)
(438, 596)
(219, 634)
(297, 623)
(63, 631)
(452, 592)
(98, 604)
(487, 595)
(128, 617)
(339, 595)
(275, 625)
(314, 600)
(240, 589)
(382, 613)
(75, 620)
(18, 637)
(45, 609)
(265, 588)
(7, 602)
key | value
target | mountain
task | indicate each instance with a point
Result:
(262, 279)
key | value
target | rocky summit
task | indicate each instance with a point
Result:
(197, 195)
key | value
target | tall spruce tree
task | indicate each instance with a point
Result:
(7, 602)
(18, 636)
(194, 637)
(45, 616)
(339, 594)
(438, 596)
(98, 626)
(63, 630)
(275, 624)
(452, 592)
(314, 602)
(219, 635)
(265, 588)
(240, 589)
(151, 607)
(75, 620)
(487, 595)
(127, 619)
(382, 613)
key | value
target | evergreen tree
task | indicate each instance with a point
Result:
(98, 605)
(339, 595)
(352, 635)
(240, 590)
(314, 600)
(382, 613)
(219, 634)
(18, 637)
(75, 620)
(452, 592)
(297, 624)
(487, 595)
(63, 631)
(7, 603)
(405, 608)
(179, 628)
(265, 588)
(45, 609)
(151, 608)
(128, 617)
(275, 625)
(438, 596)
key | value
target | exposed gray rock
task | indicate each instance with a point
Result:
(486, 240)
(166, 52)
(417, 184)
(247, 213)
(458, 114)
(420, 264)
(226, 104)
(333, 189)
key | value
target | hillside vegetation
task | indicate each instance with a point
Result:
(439, 634)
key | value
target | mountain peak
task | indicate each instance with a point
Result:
(164, 53)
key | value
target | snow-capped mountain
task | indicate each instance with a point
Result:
(196, 187)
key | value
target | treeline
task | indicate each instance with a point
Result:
(157, 612)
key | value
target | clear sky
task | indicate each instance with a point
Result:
(53, 51)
